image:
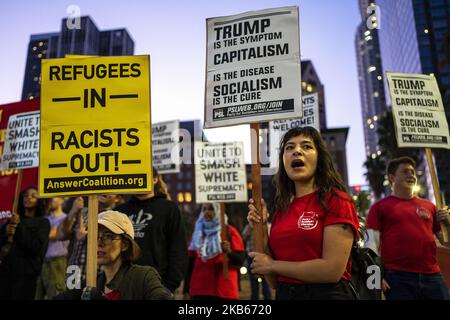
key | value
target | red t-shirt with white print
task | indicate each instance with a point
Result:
(407, 228)
(297, 234)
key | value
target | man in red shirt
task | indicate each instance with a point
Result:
(403, 226)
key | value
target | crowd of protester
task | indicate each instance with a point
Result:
(142, 250)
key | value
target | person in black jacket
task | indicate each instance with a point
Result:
(24, 255)
(160, 233)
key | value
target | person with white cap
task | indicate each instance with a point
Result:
(120, 279)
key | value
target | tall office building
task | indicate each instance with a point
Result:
(182, 185)
(335, 138)
(311, 84)
(370, 76)
(87, 40)
(411, 41)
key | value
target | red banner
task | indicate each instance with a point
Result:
(8, 178)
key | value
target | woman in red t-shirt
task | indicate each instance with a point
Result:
(314, 226)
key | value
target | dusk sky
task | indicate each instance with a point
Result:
(173, 34)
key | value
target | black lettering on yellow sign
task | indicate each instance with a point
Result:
(87, 139)
(90, 96)
(94, 162)
(96, 138)
(94, 96)
(100, 71)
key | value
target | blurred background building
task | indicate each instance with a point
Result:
(87, 40)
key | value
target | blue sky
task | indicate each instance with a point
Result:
(173, 33)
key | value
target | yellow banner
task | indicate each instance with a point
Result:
(95, 126)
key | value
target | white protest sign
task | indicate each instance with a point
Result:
(279, 127)
(253, 67)
(166, 147)
(21, 149)
(220, 174)
(418, 111)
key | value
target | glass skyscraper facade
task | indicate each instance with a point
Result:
(411, 41)
(370, 78)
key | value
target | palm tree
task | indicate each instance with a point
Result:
(376, 168)
(362, 203)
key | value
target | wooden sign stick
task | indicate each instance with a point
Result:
(16, 197)
(224, 236)
(258, 228)
(91, 263)
(437, 193)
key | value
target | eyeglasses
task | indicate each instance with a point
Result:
(107, 238)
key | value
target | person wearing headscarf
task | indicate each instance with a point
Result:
(207, 281)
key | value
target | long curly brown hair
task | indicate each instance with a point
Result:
(326, 177)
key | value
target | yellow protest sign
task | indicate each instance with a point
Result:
(95, 126)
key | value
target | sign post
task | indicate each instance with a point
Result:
(8, 177)
(253, 76)
(95, 132)
(166, 146)
(420, 119)
(220, 177)
(21, 149)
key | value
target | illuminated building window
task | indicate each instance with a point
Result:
(180, 197)
(309, 88)
(188, 196)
